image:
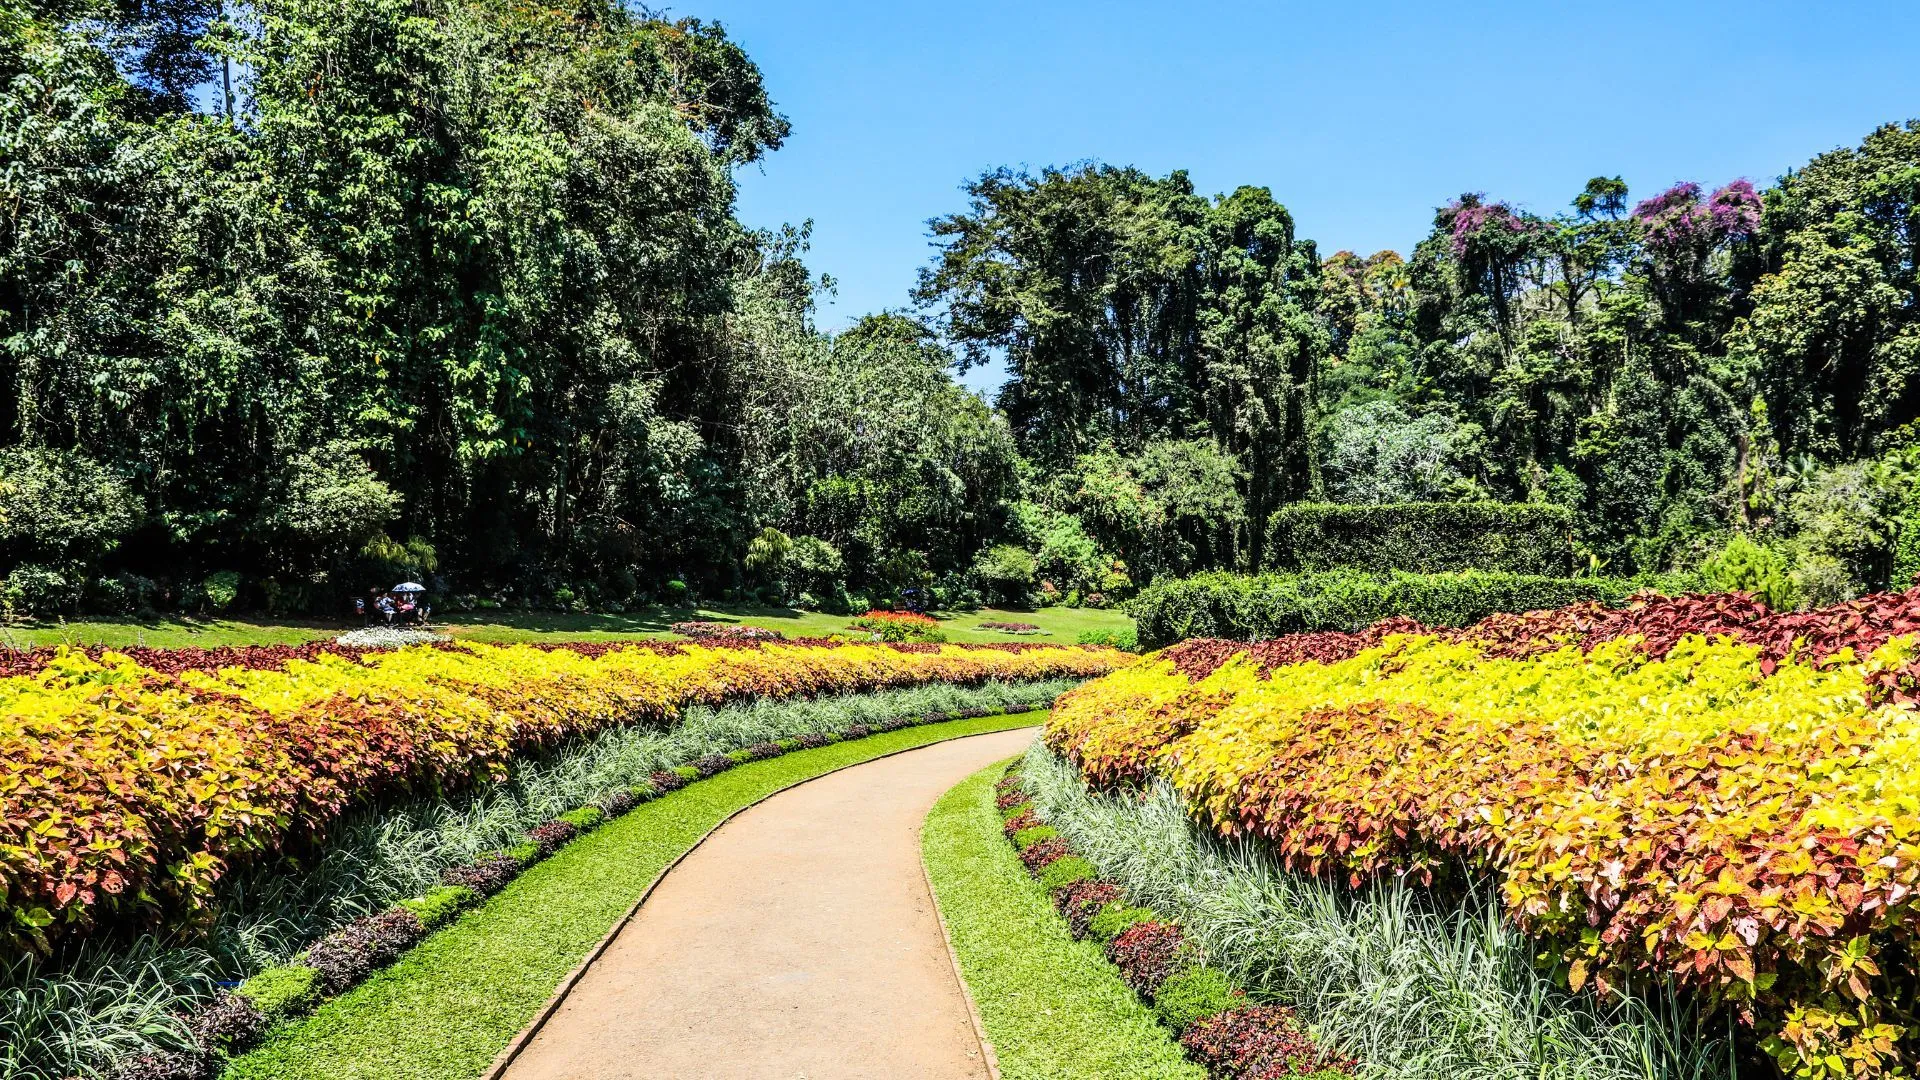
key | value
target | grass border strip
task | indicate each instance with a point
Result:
(520, 1042)
(987, 1052)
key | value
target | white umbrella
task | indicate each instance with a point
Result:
(409, 586)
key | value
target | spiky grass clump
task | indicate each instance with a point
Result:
(1380, 974)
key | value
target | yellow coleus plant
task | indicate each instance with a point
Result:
(1745, 826)
(128, 789)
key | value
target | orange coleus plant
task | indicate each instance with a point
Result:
(1743, 824)
(128, 790)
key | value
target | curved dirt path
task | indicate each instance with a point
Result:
(797, 943)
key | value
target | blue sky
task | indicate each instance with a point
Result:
(1360, 117)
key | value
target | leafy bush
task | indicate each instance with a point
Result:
(222, 590)
(1223, 605)
(1064, 871)
(1513, 538)
(1257, 1042)
(57, 506)
(1080, 902)
(439, 906)
(817, 567)
(1115, 918)
(32, 589)
(348, 955)
(1745, 566)
(282, 992)
(1009, 627)
(550, 836)
(1186, 996)
(1147, 954)
(1027, 837)
(585, 819)
(486, 875)
(1126, 640)
(1006, 573)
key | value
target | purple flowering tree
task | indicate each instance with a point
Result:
(1686, 240)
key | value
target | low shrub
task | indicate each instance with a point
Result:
(166, 1065)
(1027, 837)
(1081, 901)
(788, 746)
(1114, 919)
(667, 780)
(1148, 953)
(229, 1023)
(687, 773)
(713, 765)
(1036, 857)
(1025, 819)
(279, 993)
(525, 854)
(365, 945)
(1189, 995)
(549, 837)
(816, 739)
(1514, 538)
(1063, 872)
(486, 875)
(1126, 639)
(585, 819)
(1257, 1042)
(1009, 627)
(1011, 799)
(857, 731)
(439, 906)
(1243, 608)
(623, 800)
(765, 750)
(725, 632)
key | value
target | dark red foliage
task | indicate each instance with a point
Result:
(1147, 953)
(765, 750)
(1025, 819)
(361, 947)
(666, 780)
(1256, 1042)
(708, 633)
(229, 1022)
(619, 803)
(166, 1065)
(1040, 855)
(714, 765)
(1201, 657)
(814, 740)
(857, 731)
(486, 876)
(1082, 900)
(1010, 798)
(550, 836)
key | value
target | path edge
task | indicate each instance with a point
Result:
(953, 956)
(514, 1049)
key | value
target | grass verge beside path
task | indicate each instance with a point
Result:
(1053, 1007)
(452, 1003)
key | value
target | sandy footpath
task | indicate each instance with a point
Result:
(797, 943)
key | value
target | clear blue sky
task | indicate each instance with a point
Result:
(1361, 117)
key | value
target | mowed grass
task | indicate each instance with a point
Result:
(455, 1001)
(1058, 625)
(1053, 1007)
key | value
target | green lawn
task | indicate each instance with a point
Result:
(1053, 1007)
(452, 1003)
(1060, 625)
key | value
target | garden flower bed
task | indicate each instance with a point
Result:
(1220, 1030)
(131, 787)
(1693, 790)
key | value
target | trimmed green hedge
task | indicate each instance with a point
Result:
(1243, 608)
(1425, 538)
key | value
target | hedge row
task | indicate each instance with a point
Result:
(1516, 538)
(1243, 608)
(1220, 1030)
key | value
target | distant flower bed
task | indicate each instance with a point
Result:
(1010, 627)
(717, 631)
(912, 617)
(127, 788)
(898, 626)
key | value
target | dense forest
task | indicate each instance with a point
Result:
(297, 296)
